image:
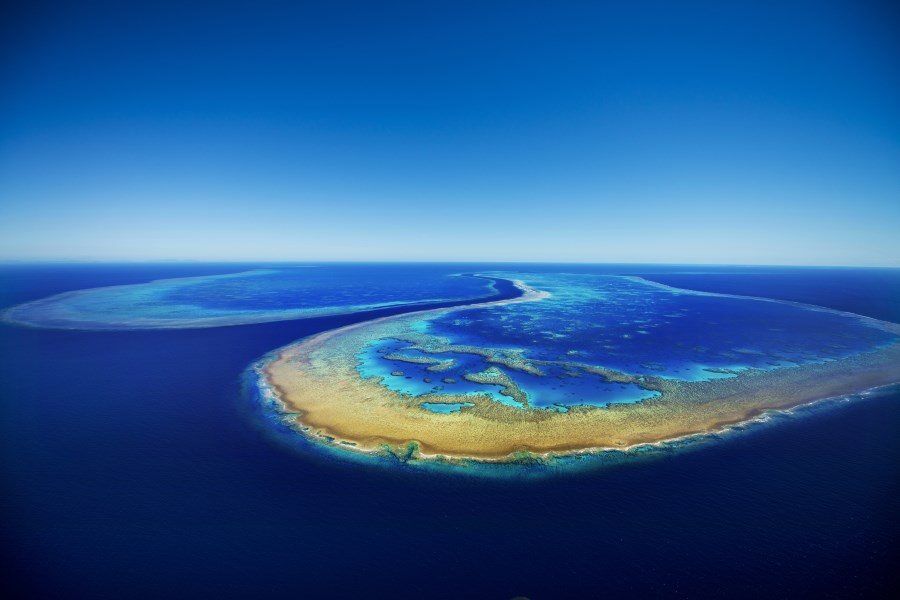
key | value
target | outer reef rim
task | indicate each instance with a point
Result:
(322, 396)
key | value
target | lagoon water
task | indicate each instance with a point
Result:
(628, 324)
(132, 465)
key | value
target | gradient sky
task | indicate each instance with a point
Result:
(762, 133)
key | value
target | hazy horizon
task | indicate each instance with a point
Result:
(301, 262)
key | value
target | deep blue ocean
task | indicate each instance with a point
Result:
(133, 466)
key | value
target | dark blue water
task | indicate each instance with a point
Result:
(132, 467)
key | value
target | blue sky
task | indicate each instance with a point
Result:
(757, 133)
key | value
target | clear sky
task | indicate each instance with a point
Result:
(719, 132)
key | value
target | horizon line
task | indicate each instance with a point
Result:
(39, 261)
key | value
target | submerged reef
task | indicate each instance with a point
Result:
(257, 296)
(578, 363)
(495, 376)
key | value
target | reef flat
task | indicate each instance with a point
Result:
(584, 363)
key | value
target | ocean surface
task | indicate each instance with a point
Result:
(133, 465)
